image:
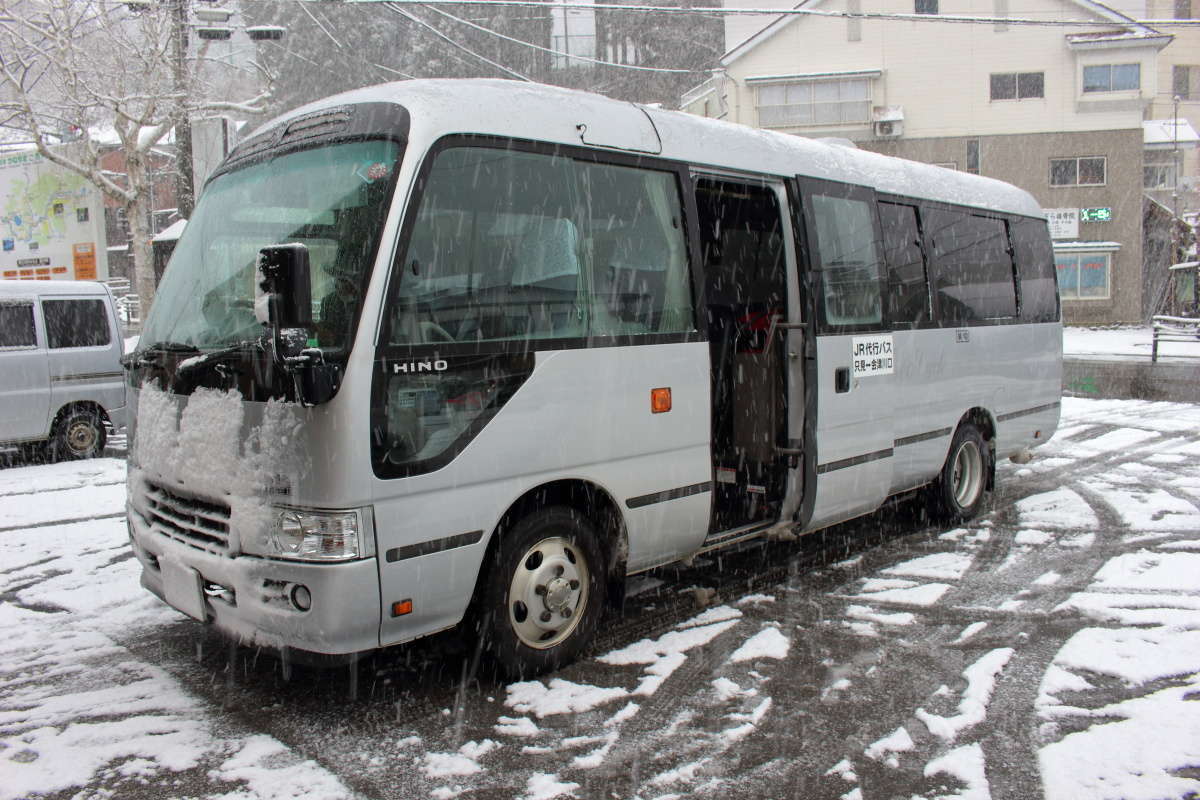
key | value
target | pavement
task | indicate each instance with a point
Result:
(1050, 648)
(1114, 363)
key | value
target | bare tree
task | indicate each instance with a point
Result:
(70, 68)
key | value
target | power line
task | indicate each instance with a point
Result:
(811, 12)
(394, 7)
(560, 52)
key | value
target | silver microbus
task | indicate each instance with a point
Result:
(61, 385)
(445, 350)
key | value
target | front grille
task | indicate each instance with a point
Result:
(199, 523)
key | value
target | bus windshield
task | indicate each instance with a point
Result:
(333, 199)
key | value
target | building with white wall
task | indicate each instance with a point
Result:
(1056, 109)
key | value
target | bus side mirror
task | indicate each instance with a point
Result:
(283, 291)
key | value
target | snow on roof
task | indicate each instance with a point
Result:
(1161, 133)
(171, 232)
(549, 113)
(1087, 246)
(1135, 33)
(18, 288)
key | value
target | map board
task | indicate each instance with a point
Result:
(51, 222)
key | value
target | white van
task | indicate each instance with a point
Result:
(60, 373)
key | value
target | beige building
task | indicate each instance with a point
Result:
(1060, 110)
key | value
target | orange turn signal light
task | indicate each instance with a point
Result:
(399, 609)
(660, 400)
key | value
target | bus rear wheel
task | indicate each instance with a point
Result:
(958, 493)
(544, 593)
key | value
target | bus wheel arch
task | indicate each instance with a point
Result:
(557, 521)
(968, 473)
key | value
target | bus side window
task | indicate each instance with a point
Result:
(908, 289)
(971, 269)
(849, 257)
(1035, 269)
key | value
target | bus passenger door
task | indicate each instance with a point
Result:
(855, 357)
(746, 246)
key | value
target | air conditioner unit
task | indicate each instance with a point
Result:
(889, 129)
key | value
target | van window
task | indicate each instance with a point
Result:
(972, 269)
(1035, 267)
(517, 245)
(850, 268)
(76, 323)
(908, 292)
(16, 325)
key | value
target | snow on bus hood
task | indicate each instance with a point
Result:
(215, 446)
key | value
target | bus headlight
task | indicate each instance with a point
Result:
(310, 535)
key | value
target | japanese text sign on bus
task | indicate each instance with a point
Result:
(872, 355)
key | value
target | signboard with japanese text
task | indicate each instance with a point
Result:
(51, 222)
(872, 355)
(1064, 222)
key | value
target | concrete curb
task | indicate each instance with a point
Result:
(1131, 379)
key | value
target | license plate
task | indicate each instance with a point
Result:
(183, 587)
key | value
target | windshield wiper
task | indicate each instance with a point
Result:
(144, 355)
(216, 356)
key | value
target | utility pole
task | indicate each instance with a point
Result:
(185, 191)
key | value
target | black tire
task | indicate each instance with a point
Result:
(958, 493)
(79, 434)
(542, 594)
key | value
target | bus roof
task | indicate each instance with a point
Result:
(553, 114)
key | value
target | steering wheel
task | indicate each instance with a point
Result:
(432, 332)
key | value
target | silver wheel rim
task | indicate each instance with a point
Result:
(966, 479)
(81, 437)
(548, 593)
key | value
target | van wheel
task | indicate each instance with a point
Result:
(958, 492)
(79, 434)
(544, 593)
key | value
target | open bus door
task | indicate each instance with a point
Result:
(855, 360)
(750, 290)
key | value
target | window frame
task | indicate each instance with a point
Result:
(1083, 80)
(843, 191)
(1188, 88)
(48, 302)
(931, 271)
(1016, 78)
(812, 83)
(1077, 159)
(689, 230)
(907, 202)
(1078, 255)
(33, 319)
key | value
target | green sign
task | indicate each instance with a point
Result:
(1095, 214)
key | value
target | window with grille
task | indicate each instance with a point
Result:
(815, 102)
(1084, 171)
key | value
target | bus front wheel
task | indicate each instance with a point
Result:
(544, 592)
(958, 492)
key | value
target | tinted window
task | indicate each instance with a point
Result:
(1035, 268)
(908, 292)
(849, 260)
(513, 245)
(971, 270)
(76, 323)
(16, 325)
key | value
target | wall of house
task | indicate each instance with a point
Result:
(1184, 51)
(939, 72)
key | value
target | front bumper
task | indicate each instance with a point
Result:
(250, 598)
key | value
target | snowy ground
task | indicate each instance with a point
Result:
(1051, 648)
(1127, 342)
